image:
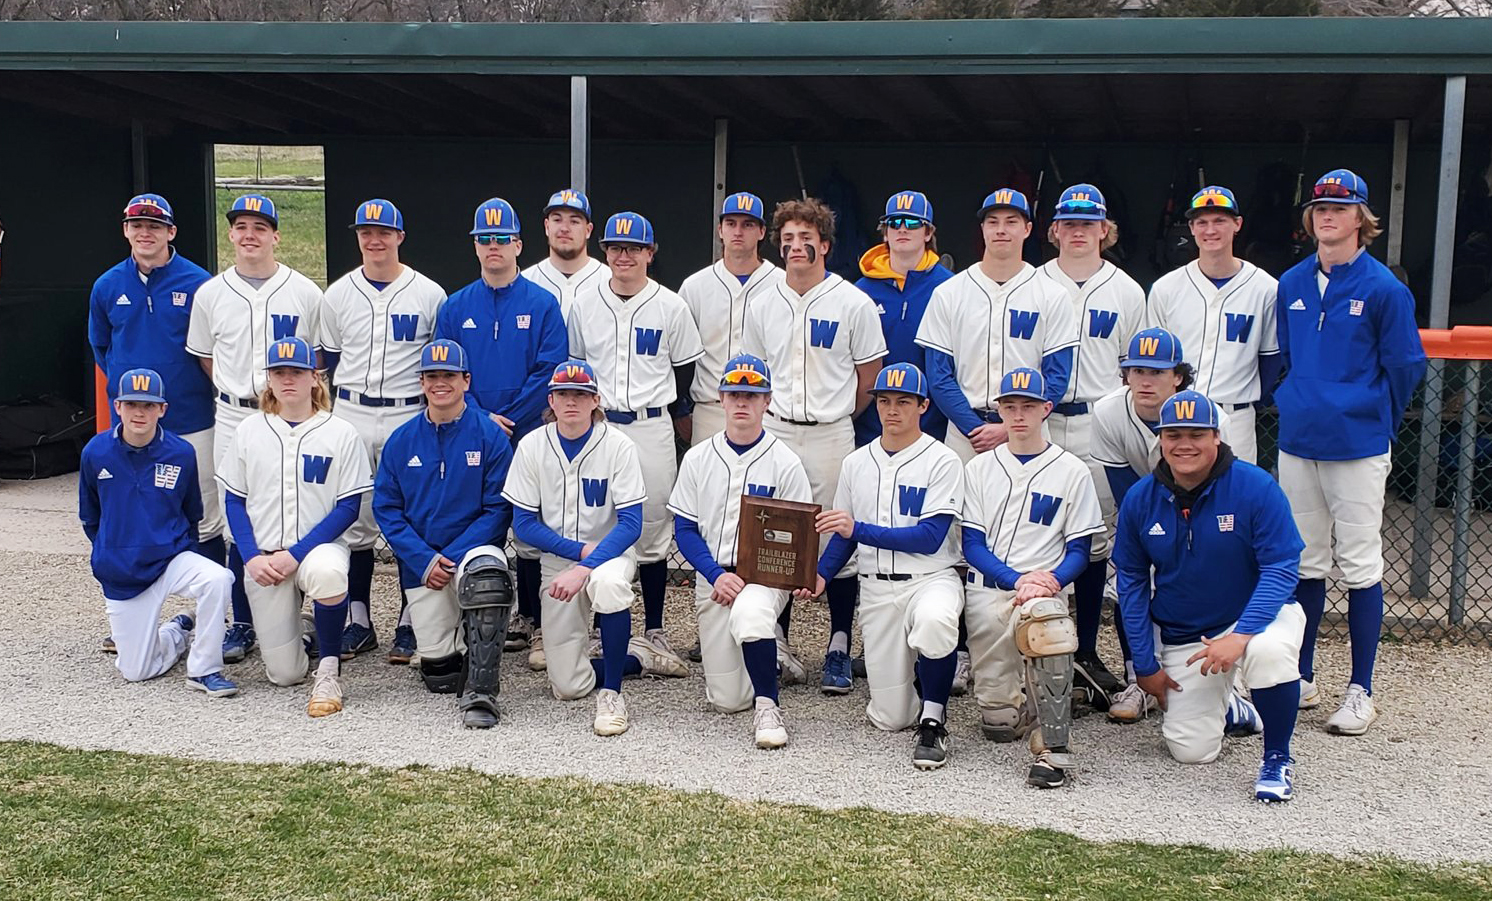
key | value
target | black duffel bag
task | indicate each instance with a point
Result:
(42, 437)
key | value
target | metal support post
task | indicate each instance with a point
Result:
(580, 134)
(1445, 207)
(1465, 480)
(1395, 255)
(722, 144)
(139, 156)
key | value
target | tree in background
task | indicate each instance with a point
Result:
(835, 10)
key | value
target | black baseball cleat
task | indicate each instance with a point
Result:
(1093, 684)
(1045, 773)
(857, 666)
(931, 751)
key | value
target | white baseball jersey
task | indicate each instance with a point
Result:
(1029, 511)
(577, 498)
(565, 287)
(633, 344)
(1223, 331)
(1110, 308)
(292, 477)
(900, 490)
(234, 324)
(717, 300)
(1122, 438)
(813, 343)
(713, 477)
(380, 333)
(990, 329)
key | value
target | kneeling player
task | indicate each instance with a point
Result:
(897, 499)
(295, 479)
(1217, 537)
(438, 500)
(140, 503)
(1030, 512)
(737, 621)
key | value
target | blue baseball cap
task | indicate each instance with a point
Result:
(443, 355)
(378, 212)
(1082, 202)
(149, 207)
(569, 199)
(1188, 410)
(744, 203)
(628, 228)
(1213, 199)
(254, 205)
(142, 385)
(495, 217)
(1022, 382)
(909, 203)
(574, 375)
(290, 353)
(747, 374)
(1153, 348)
(902, 378)
(1339, 186)
(1006, 199)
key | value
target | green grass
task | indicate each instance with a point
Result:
(84, 824)
(239, 160)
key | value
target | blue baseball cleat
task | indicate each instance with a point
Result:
(1243, 717)
(402, 651)
(185, 621)
(216, 685)
(357, 640)
(839, 675)
(238, 641)
(1276, 778)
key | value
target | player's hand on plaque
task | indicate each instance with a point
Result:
(840, 522)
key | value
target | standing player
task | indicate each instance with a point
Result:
(237, 315)
(1213, 535)
(820, 336)
(737, 621)
(642, 344)
(894, 509)
(1030, 514)
(577, 491)
(514, 335)
(374, 321)
(568, 269)
(140, 503)
(1354, 358)
(995, 316)
(1221, 309)
(295, 477)
(438, 499)
(717, 297)
(1110, 309)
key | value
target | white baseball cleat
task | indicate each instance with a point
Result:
(611, 713)
(1131, 705)
(536, 659)
(1310, 696)
(1356, 714)
(326, 689)
(655, 663)
(963, 672)
(790, 670)
(658, 641)
(770, 731)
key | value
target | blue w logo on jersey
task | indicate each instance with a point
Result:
(594, 491)
(1044, 508)
(761, 490)
(1101, 323)
(821, 332)
(314, 469)
(403, 325)
(909, 499)
(648, 340)
(1239, 327)
(284, 326)
(1023, 323)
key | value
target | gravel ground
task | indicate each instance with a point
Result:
(1391, 792)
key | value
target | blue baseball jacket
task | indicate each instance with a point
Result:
(1232, 558)
(134, 324)
(901, 301)
(1354, 359)
(439, 490)
(513, 336)
(139, 506)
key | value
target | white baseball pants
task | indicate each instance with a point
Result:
(374, 425)
(322, 576)
(1341, 499)
(435, 616)
(567, 624)
(722, 631)
(959, 444)
(999, 667)
(709, 418)
(660, 467)
(898, 621)
(822, 448)
(1243, 434)
(213, 523)
(1074, 434)
(146, 647)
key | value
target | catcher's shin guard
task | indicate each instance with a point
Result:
(442, 675)
(486, 598)
(1047, 637)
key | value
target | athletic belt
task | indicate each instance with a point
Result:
(976, 578)
(1236, 407)
(791, 421)
(232, 401)
(364, 400)
(988, 416)
(1070, 409)
(887, 577)
(627, 417)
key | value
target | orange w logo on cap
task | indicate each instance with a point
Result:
(1186, 409)
(140, 383)
(285, 350)
(1021, 380)
(1149, 346)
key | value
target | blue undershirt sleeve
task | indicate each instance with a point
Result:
(334, 524)
(979, 556)
(534, 531)
(1074, 561)
(836, 555)
(1270, 367)
(692, 545)
(1121, 479)
(923, 538)
(623, 535)
(1056, 371)
(942, 382)
(238, 523)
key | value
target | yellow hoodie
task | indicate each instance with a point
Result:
(876, 263)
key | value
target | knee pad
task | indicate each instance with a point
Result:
(485, 582)
(1045, 629)
(1047, 637)
(441, 674)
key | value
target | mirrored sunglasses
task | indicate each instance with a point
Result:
(500, 240)
(745, 377)
(571, 376)
(145, 211)
(1334, 191)
(910, 222)
(1212, 199)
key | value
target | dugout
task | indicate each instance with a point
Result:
(663, 119)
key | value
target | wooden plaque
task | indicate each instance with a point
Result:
(777, 545)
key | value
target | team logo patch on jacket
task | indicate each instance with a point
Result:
(166, 475)
(178, 298)
(473, 458)
(1354, 308)
(1225, 522)
(524, 320)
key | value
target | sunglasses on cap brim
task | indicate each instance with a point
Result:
(564, 378)
(908, 222)
(1335, 191)
(1080, 206)
(500, 240)
(1214, 202)
(146, 211)
(749, 377)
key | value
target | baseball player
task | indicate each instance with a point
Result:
(820, 336)
(717, 297)
(140, 504)
(1110, 309)
(568, 269)
(295, 477)
(1353, 359)
(577, 492)
(995, 316)
(374, 322)
(438, 499)
(1213, 535)
(894, 509)
(737, 621)
(1221, 309)
(236, 316)
(1030, 514)
(509, 369)
(642, 343)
